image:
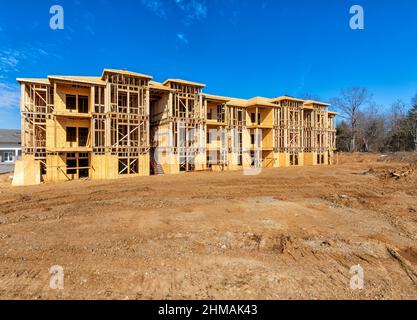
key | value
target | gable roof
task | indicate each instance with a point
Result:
(186, 82)
(158, 86)
(260, 101)
(317, 102)
(10, 136)
(34, 80)
(79, 79)
(277, 99)
(216, 97)
(237, 102)
(126, 72)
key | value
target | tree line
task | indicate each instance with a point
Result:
(369, 127)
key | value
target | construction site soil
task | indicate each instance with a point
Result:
(287, 233)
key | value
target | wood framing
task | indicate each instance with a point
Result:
(123, 123)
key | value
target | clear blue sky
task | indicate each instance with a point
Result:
(238, 48)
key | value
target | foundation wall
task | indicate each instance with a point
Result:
(301, 158)
(310, 158)
(315, 158)
(284, 159)
(27, 172)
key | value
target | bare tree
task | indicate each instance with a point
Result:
(372, 128)
(349, 103)
(396, 117)
(343, 137)
(411, 122)
(399, 109)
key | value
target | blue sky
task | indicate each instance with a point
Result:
(238, 48)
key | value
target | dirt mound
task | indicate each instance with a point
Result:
(408, 171)
(266, 242)
(362, 157)
(356, 157)
(5, 178)
(403, 157)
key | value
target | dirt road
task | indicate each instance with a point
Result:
(287, 233)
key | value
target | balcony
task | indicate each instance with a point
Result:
(216, 115)
(216, 122)
(70, 149)
(263, 119)
(70, 114)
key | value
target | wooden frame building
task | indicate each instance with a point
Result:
(124, 124)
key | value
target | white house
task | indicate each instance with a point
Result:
(10, 146)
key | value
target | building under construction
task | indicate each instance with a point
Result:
(124, 124)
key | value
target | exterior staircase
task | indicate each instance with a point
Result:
(157, 168)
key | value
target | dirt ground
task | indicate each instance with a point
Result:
(288, 233)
